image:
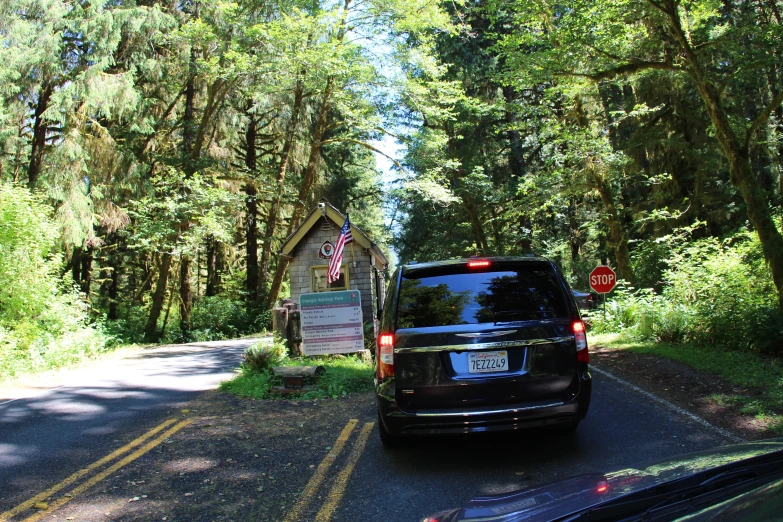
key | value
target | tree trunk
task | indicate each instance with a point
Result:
(81, 269)
(309, 175)
(516, 157)
(575, 239)
(274, 209)
(602, 252)
(86, 271)
(110, 279)
(251, 242)
(596, 168)
(172, 293)
(475, 221)
(251, 214)
(76, 266)
(188, 120)
(158, 298)
(114, 290)
(619, 238)
(743, 177)
(146, 283)
(741, 171)
(516, 160)
(188, 138)
(304, 190)
(214, 267)
(39, 136)
(185, 295)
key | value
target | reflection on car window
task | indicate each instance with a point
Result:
(488, 297)
(422, 304)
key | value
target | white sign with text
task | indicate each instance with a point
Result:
(331, 322)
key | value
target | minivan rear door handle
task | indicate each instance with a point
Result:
(474, 335)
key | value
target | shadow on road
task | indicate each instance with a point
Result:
(62, 430)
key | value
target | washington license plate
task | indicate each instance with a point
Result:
(484, 362)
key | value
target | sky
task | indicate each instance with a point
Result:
(389, 173)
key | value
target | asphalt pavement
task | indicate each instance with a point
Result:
(46, 435)
(622, 428)
(238, 459)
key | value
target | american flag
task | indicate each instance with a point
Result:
(345, 237)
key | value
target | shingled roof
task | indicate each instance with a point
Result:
(338, 218)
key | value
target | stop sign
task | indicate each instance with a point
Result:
(602, 279)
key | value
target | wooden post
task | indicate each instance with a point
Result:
(280, 322)
(294, 333)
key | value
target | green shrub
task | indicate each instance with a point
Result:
(225, 317)
(716, 292)
(262, 321)
(261, 356)
(220, 316)
(27, 273)
(213, 318)
(130, 325)
(44, 323)
(728, 289)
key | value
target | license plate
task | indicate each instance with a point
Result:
(484, 362)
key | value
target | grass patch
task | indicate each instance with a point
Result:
(344, 375)
(746, 369)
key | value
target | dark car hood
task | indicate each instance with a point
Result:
(561, 498)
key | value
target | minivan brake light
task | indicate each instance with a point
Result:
(386, 356)
(582, 355)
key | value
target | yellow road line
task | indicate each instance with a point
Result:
(82, 472)
(108, 471)
(341, 482)
(320, 473)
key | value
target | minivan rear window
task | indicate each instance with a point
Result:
(480, 297)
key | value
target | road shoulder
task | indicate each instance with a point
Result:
(694, 391)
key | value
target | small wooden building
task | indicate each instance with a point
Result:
(310, 247)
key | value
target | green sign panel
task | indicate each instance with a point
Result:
(331, 322)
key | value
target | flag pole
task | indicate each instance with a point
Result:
(353, 256)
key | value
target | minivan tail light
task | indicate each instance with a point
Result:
(385, 356)
(478, 264)
(582, 355)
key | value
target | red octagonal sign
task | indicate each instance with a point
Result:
(603, 279)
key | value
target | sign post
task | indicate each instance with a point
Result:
(331, 322)
(602, 281)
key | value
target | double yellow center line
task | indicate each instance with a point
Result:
(340, 482)
(171, 426)
(27, 504)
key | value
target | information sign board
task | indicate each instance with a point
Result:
(331, 322)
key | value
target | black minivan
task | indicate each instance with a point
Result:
(477, 345)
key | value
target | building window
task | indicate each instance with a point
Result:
(318, 279)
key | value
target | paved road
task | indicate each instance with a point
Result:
(48, 435)
(221, 467)
(622, 428)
